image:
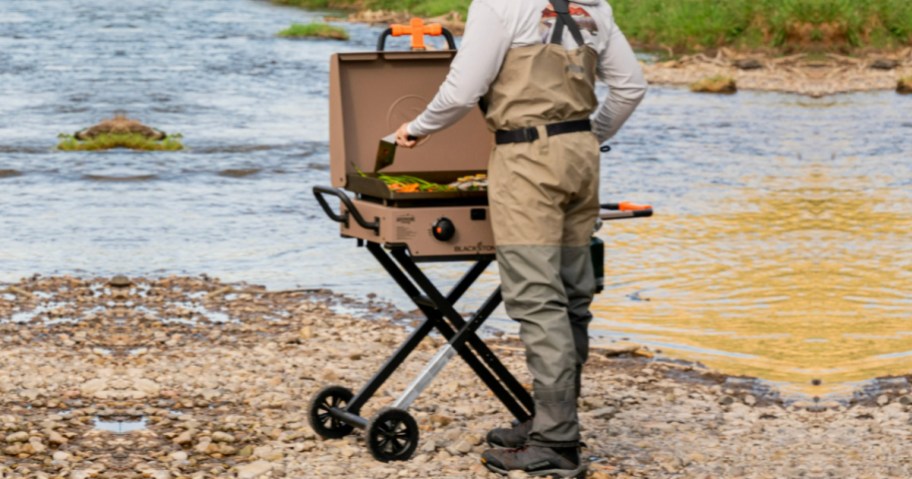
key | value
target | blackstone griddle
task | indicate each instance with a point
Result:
(372, 94)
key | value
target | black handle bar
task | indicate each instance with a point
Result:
(320, 191)
(381, 42)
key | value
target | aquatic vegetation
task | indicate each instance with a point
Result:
(119, 132)
(314, 30)
(132, 141)
(715, 84)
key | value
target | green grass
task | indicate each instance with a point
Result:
(696, 25)
(314, 30)
(783, 25)
(110, 141)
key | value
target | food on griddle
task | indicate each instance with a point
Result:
(477, 182)
(411, 184)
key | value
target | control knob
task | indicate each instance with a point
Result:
(443, 229)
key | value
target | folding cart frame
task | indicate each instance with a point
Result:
(392, 433)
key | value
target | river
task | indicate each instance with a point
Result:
(780, 248)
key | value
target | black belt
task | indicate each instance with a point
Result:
(528, 135)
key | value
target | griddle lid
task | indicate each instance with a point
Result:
(372, 94)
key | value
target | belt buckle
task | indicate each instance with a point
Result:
(530, 134)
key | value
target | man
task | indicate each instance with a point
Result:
(536, 63)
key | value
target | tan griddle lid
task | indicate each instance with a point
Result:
(372, 94)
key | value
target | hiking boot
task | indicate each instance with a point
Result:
(510, 437)
(535, 461)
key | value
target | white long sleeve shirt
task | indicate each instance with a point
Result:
(495, 26)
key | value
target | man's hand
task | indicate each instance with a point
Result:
(404, 139)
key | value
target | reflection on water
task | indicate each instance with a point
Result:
(795, 257)
(780, 248)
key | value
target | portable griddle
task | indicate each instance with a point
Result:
(371, 94)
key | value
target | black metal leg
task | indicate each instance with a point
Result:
(485, 374)
(441, 314)
(431, 311)
(445, 308)
(390, 366)
(354, 407)
(467, 280)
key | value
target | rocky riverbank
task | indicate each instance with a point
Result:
(812, 75)
(816, 75)
(193, 378)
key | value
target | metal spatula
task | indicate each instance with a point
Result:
(386, 152)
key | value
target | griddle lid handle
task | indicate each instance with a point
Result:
(320, 193)
(381, 42)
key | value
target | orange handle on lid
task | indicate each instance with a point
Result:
(417, 29)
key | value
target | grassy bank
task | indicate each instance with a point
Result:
(314, 30)
(422, 8)
(693, 25)
(784, 25)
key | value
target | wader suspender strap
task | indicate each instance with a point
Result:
(562, 9)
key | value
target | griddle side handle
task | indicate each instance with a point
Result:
(319, 194)
(632, 210)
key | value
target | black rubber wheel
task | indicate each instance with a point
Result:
(322, 422)
(392, 435)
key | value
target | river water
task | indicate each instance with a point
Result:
(781, 247)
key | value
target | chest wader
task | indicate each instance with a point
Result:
(543, 192)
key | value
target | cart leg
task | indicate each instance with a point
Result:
(443, 357)
(389, 367)
(440, 311)
(433, 368)
(494, 374)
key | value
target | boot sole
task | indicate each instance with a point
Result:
(579, 472)
(494, 445)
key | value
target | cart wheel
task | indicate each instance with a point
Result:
(392, 435)
(322, 422)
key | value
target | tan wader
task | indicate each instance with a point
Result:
(544, 203)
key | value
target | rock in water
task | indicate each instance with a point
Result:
(120, 281)
(904, 86)
(748, 64)
(716, 84)
(884, 64)
(120, 125)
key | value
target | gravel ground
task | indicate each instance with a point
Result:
(192, 378)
